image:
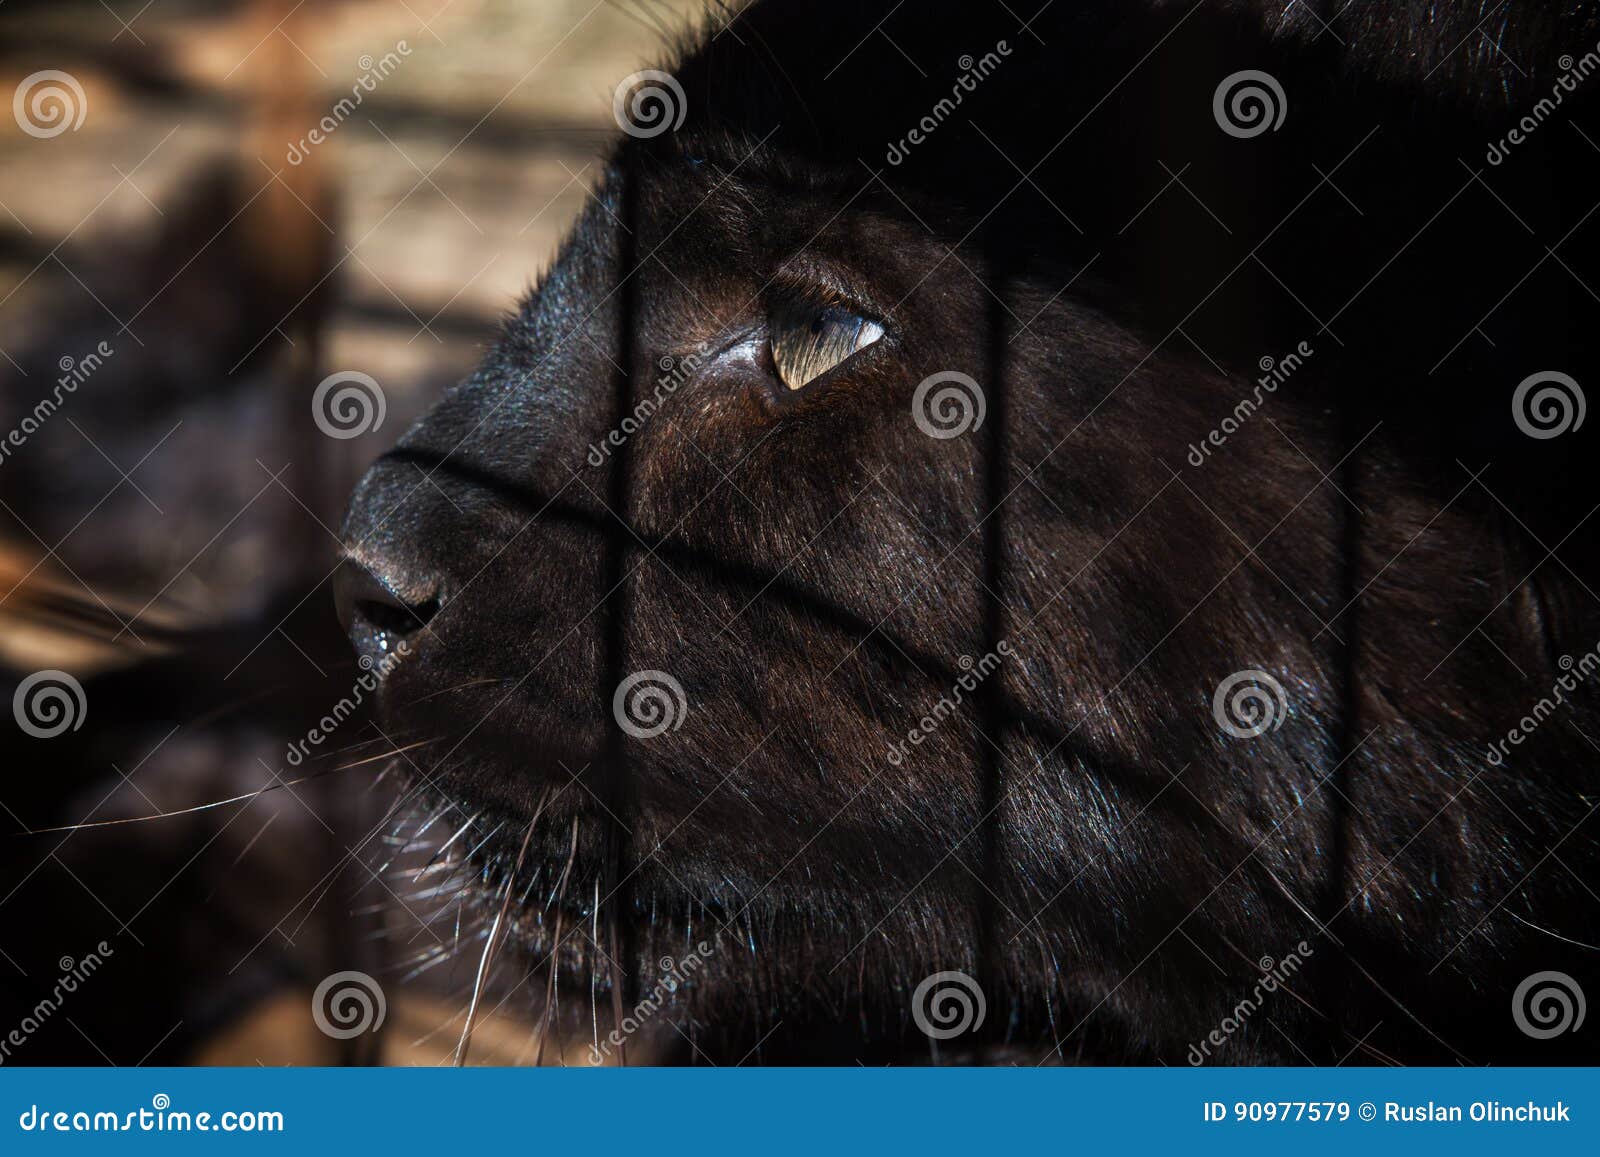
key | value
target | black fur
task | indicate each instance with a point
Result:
(1081, 238)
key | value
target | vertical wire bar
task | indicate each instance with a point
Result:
(617, 783)
(1337, 970)
(992, 719)
(1349, 672)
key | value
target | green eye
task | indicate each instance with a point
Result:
(809, 340)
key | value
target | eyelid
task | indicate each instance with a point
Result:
(821, 287)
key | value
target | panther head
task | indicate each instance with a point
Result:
(963, 501)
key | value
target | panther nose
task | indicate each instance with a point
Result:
(379, 612)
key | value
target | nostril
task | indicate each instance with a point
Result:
(379, 612)
(395, 617)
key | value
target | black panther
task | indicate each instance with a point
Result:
(1091, 496)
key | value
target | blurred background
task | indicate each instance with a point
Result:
(208, 208)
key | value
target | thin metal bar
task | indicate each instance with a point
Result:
(992, 714)
(1337, 972)
(617, 782)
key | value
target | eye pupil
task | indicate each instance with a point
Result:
(808, 339)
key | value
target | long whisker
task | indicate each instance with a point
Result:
(451, 690)
(616, 980)
(550, 987)
(594, 971)
(249, 795)
(1547, 932)
(459, 832)
(490, 944)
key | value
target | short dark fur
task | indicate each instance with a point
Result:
(812, 569)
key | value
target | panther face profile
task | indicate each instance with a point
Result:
(975, 493)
